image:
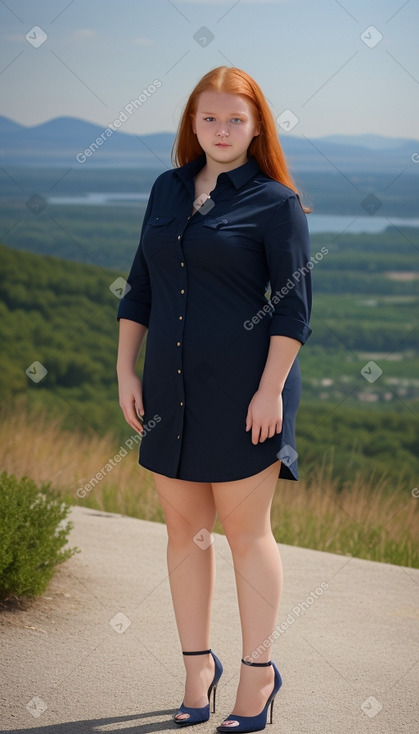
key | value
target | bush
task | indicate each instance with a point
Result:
(32, 536)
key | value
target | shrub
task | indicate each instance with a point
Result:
(32, 535)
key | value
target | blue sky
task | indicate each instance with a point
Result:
(318, 58)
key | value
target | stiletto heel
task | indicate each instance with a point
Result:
(254, 723)
(272, 708)
(199, 715)
(213, 699)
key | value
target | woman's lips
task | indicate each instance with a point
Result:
(223, 145)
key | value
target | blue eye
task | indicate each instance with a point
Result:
(233, 118)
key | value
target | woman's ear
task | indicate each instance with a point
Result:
(192, 122)
(258, 125)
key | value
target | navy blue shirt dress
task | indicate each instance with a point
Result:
(199, 283)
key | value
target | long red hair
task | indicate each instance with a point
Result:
(265, 147)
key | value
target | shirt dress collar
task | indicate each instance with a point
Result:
(238, 176)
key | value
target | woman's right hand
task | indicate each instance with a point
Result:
(131, 400)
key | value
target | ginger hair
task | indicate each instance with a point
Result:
(265, 147)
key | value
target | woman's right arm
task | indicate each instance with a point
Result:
(133, 316)
(131, 336)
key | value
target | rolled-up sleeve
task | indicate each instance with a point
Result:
(287, 247)
(136, 303)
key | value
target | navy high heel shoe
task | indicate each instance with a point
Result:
(254, 723)
(199, 715)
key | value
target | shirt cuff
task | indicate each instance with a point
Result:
(286, 326)
(134, 311)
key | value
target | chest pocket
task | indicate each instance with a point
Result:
(216, 223)
(159, 221)
(159, 236)
(235, 233)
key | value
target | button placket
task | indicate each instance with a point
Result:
(182, 295)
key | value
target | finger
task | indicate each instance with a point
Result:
(248, 421)
(263, 435)
(132, 418)
(140, 426)
(134, 424)
(139, 409)
(139, 406)
(255, 432)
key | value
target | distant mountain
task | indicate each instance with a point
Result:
(8, 127)
(68, 141)
(375, 142)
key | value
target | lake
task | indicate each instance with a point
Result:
(316, 222)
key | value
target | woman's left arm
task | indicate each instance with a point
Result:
(264, 415)
(287, 247)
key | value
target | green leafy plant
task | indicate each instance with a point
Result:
(32, 536)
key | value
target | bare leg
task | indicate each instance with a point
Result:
(189, 507)
(243, 507)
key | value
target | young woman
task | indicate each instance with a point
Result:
(221, 382)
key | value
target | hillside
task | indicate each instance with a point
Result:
(63, 315)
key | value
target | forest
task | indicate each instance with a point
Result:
(62, 314)
(360, 367)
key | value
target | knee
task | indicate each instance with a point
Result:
(238, 538)
(243, 539)
(181, 532)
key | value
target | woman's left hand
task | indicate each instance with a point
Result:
(264, 415)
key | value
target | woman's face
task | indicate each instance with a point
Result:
(227, 119)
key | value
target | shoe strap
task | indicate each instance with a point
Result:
(196, 652)
(257, 665)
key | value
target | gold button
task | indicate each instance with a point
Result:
(179, 371)
(180, 318)
(180, 403)
(179, 236)
(182, 291)
(182, 264)
(177, 436)
(178, 344)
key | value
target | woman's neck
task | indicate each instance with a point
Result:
(212, 169)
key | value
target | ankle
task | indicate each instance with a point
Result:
(198, 668)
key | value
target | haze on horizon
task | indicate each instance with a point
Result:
(339, 67)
